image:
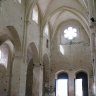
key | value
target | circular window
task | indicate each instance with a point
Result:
(70, 33)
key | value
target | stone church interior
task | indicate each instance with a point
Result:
(47, 47)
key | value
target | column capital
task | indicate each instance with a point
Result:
(18, 55)
(93, 25)
(38, 65)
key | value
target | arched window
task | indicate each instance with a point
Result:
(62, 84)
(46, 35)
(81, 84)
(4, 55)
(46, 30)
(35, 14)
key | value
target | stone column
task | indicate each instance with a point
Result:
(93, 52)
(37, 87)
(71, 84)
(23, 75)
(15, 84)
(92, 14)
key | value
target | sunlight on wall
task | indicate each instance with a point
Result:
(35, 14)
(94, 88)
(78, 87)
(46, 30)
(19, 1)
(61, 49)
(61, 87)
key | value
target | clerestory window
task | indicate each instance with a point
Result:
(35, 14)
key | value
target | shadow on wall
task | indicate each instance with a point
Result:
(45, 75)
(29, 79)
(46, 68)
(3, 81)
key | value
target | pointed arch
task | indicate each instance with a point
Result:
(32, 59)
(32, 53)
(7, 54)
(15, 37)
(10, 33)
(9, 38)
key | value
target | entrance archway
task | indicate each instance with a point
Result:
(81, 84)
(62, 84)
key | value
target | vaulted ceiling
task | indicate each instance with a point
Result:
(60, 13)
(57, 11)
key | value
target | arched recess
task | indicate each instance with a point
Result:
(32, 53)
(45, 74)
(62, 84)
(32, 59)
(10, 33)
(9, 37)
(6, 56)
(81, 83)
